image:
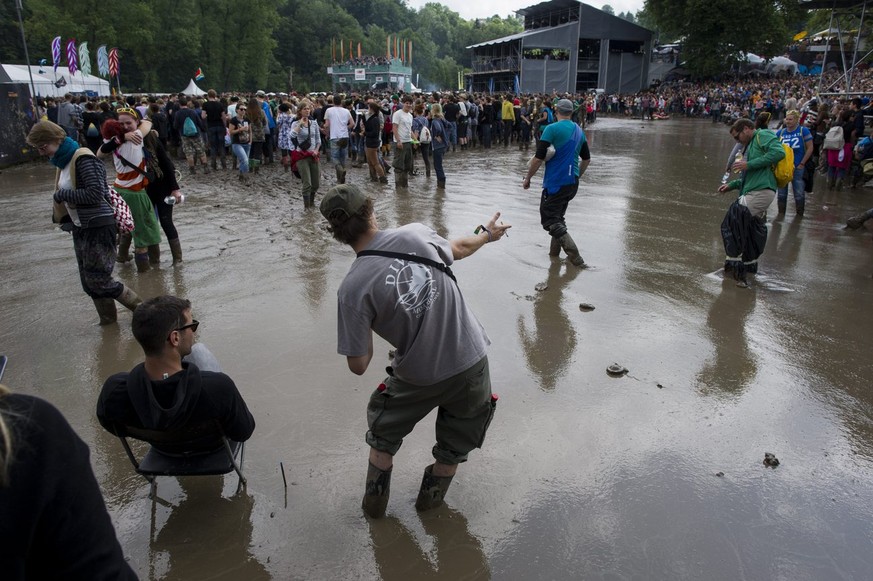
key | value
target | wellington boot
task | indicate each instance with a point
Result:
(832, 181)
(176, 250)
(205, 169)
(214, 165)
(307, 201)
(129, 299)
(377, 490)
(427, 172)
(142, 261)
(781, 206)
(383, 180)
(799, 209)
(193, 170)
(154, 254)
(124, 247)
(839, 185)
(106, 310)
(569, 246)
(224, 164)
(555, 247)
(433, 490)
(340, 174)
(400, 179)
(441, 184)
(856, 222)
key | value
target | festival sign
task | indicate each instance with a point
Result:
(360, 74)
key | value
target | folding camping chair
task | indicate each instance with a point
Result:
(200, 450)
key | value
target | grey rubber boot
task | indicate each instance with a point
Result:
(154, 254)
(433, 490)
(307, 201)
(106, 310)
(572, 250)
(377, 491)
(176, 250)
(124, 247)
(856, 222)
(555, 247)
(129, 299)
(399, 177)
(340, 174)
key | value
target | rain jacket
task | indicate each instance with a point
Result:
(762, 154)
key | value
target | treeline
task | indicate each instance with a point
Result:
(246, 45)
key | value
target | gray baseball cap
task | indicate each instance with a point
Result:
(565, 107)
(342, 202)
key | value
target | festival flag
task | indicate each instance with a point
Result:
(333, 49)
(56, 52)
(198, 75)
(84, 59)
(388, 46)
(102, 61)
(351, 56)
(113, 62)
(359, 50)
(72, 56)
(342, 50)
(410, 53)
(396, 46)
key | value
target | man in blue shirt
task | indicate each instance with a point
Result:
(800, 140)
(561, 181)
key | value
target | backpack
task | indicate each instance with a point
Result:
(784, 168)
(834, 138)
(864, 149)
(189, 128)
(550, 116)
(424, 135)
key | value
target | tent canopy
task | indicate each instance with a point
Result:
(193, 90)
(46, 80)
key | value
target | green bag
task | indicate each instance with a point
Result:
(189, 128)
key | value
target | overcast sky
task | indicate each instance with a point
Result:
(470, 9)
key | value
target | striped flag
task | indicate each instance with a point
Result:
(56, 52)
(113, 62)
(84, 59)
(102, 61)
(198, 75)
(72, 56)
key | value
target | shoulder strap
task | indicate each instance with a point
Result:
(411, 258)
(128, 164)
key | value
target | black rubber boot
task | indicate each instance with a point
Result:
(856, 222)
(106, 310)
(176, 250)
(142, 261)
(782, 206)
(569, 246)
(441, 184)
(124, 247)
(555, 247)
(377, 491)
(799, 208)
(154, 254)
(433, 490)
(399, 179)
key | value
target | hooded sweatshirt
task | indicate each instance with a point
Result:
(188, 398)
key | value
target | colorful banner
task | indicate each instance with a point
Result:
(388, 46)
(113, 62)
(359, 50)
(410, 53)
(84, 59)
(56, 52)
(72, 56)
(102, 61)
(198, 75)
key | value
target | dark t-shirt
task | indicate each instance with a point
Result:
(236, 123)
(450, 112)
(213, 114)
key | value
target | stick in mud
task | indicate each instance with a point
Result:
(284, 481)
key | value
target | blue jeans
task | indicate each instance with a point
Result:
(797, 187)
(438, 163)
(241, 151)
(453, 132)
(338, 154)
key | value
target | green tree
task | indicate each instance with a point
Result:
(608, 9)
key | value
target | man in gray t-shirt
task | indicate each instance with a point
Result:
(410, 299)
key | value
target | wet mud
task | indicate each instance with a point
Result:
(654, 474)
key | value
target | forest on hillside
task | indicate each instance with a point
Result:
(246, 45)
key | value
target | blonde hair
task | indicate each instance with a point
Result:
(436, 111)
(5, 442)
(304, 103)
(45, 132)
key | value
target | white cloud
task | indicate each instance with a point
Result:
(487, 8)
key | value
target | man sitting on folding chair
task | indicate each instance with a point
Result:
(178, 406)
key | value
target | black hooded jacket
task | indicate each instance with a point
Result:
(187, 398)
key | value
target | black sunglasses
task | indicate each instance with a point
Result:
(192, 325)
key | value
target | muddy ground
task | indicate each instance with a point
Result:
(658, 474)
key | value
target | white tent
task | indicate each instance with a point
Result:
(781, 63)
(193, 90)
(45, 80)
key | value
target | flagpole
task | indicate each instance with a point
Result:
(27, 60)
